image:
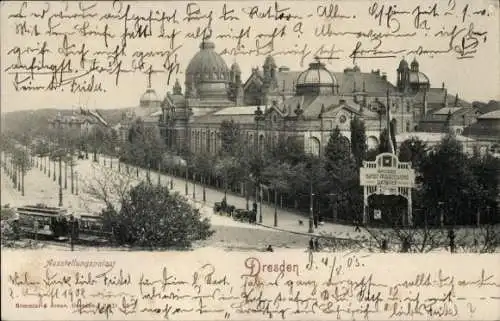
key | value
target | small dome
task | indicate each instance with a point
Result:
(403, 64)
(149, 95)
(315, 80)
(235, 68)
(208, 64)
(269, 62)
(317, 74)
(414, 65)
(418, 78)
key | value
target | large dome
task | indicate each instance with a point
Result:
(417, 77)
(316, 80)
(208, 64)
(207, 73)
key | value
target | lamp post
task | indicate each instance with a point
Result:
(187, 140)
(311, 207)
(76, 183)
(204, 191)
(159, 172)
(66, 173)
(72, 231)
(259, 116)
(60, 182)
(54, 171)
(194, 186)
(441, 213)
(71, 165)
(23, 170)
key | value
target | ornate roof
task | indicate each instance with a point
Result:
(317, 74)
(208, 64)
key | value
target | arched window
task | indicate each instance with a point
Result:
(408, 126)
(314, 146)
(261, 142)
(372, 142)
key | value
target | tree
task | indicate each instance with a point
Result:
(413, 150)
(448, 182)
(485, 169)
(230, 136)
(277, 176)
(152, 217)
(144, 146)
(144, 214)
(341, 172)
(358, 140)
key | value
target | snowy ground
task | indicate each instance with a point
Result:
(39, 188)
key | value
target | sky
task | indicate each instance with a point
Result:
(60, 29)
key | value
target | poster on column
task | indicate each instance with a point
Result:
(131, 169)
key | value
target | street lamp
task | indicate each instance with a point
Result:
(76, 183)
(72, 231)
(60, 182)
(259, 116)
(194, 186)
(441, 213)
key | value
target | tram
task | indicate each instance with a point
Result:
(56, 223)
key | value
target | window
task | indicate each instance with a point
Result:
(408, 107)
(408, 128)
(314, 146)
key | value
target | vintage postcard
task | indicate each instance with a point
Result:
(250, 160)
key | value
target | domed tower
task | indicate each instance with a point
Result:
(236, 87)
(317, 80)
(403, 75)
(418, 81)
(414, 65)
(207, 75)
(149, 99)
(269, 68)
(235, 73)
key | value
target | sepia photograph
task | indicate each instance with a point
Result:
(250, 160)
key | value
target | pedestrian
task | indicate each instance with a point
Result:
(311, 245)
(269, 248)
(316, 244)
(384, 245)
(356, 226)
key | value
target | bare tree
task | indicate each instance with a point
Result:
(106, 186)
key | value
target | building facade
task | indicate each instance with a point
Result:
(76, 123)
(303, 105)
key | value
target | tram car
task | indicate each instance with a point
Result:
(55, 223)
(43, 221)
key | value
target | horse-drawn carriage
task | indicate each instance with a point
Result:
(237, 214)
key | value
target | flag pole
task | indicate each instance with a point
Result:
(389, 134)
